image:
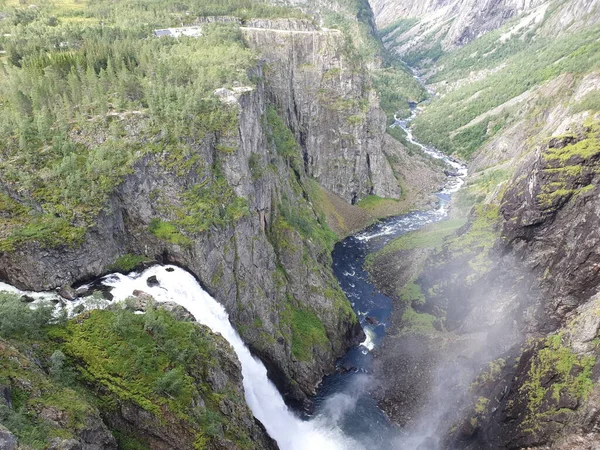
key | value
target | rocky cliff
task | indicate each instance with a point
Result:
(550, 220)
(329, 103)
(493, 308)
(494, 316)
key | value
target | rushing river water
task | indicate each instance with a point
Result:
(266, 403)
(346, 393)
(345, 415)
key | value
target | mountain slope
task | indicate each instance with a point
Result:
(428, 28)
(493, 309)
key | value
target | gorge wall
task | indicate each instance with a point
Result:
(497, 315)
(330, 105)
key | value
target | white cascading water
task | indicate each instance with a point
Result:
(291, 433)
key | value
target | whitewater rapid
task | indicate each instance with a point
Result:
(461, 172)
(416, 220)
(291, 433)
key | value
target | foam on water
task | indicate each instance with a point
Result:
(369, 342)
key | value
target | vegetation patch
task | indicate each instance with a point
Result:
(30, 388)
(282, 138)
(128, 262)
(591, 102)
(168, 232)
(141, 371)
(412, 293)
(478, 240)
(518, 66)
(397, 87)
(19, 321)
(108, 357)
(478, 188)
(570, 375)
(430, 236)
(214, 204)
(490, 374)
(309, 222)
(418, 323)
(566, 165)
(584, 148)
(307, 330)
(379, 207)
(397, 28)
(340, 302)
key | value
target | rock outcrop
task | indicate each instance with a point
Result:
(494, 316)
(93, 394)
(7, 440)
(63, 412)
(331, 107)
(462, 21)
(511, 296)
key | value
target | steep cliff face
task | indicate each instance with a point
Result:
(550, 214)
(511, 293)
(545, 393)
(456, 21)
(545, 397)
(328, 101)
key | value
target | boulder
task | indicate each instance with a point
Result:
(7, 440)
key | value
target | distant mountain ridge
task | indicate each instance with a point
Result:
(454, 23)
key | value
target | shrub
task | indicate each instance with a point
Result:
(19, 319)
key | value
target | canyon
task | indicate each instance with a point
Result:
(489, 339)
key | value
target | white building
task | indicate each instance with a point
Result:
(180, 31)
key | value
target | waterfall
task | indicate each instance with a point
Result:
(178, 286)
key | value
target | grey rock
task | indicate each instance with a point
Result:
(96, 436)
(65, 444)
(5, 396)
(318, 90)
(53, 416)
(152, 281)
(67, 292)
(141, 301)
(457, 22)
(7, 440)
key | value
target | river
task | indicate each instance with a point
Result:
(345, 395)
